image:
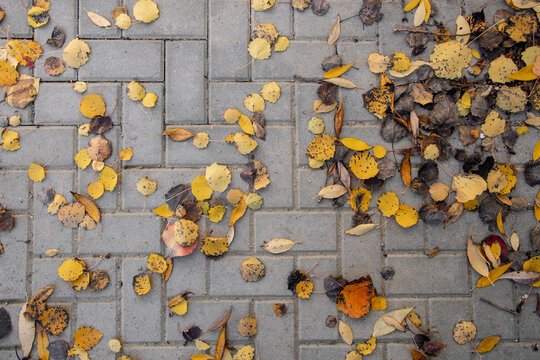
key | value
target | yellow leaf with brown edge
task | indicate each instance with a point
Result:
(89, 206)
(488, 344)
(178, 134)
(220, 345)
(536, 151)
(36, 305)
(238, 211)
(523, 74)
(493, 276)
(126, 154)
(42, 344)
(533, 264)
(337, 71)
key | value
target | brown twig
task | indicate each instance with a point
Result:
(500, 307)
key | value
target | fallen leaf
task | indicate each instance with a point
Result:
(27, 332)
(381, 328)
(345, 332)
(145, 11)
(252, 270)
(98, 20)
(86, 337)
(89, 206)
(476, 260)
(333, 36)
(487, 344)
(75, 54)
(361, 229)
(337, 71)
(354, 299)
(464, 332)
(278, 245)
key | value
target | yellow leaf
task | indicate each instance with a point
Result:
(381, 328)
(500, 224)
(10, 140)
(58, 201)
(186, 232)
(212, 246)
(83, 355)
(363, 165)
(257, 5)
(355, 144)
(136, 91)
(37, 16)
(115, 345)
(476, 259)
(271, 91)
(220, 344)
(428, 10)
(282, 43)
(82, 159)
(71, 269)
(411, 5)
(108, 178)
(378, 63)
(8, 74)
(463, 30)
(524, 74)
(51, 252)
(200, 188)
(345, 332)
(337, 71)
(332, 191)
(439, 191)
(95, 189)
(400, 62)
(123, 21)
(218, 177)
(126, 154)
(254, 102)
(450, 58)
(146, 11)
(488, 344)
(149, 100)
(537, 208)
(361, 229)
(500, 68)
(420, 14)
(388, 203)
(24, 53)
(333, 36)
(90, 207)
(42, 344)
(378, 303)
(406, 216)
(322, 147)
(368, 347)
(231, 116)
(163, 211)
(86, 337)
(202, 357)
(536, 151)
(202, 346)
(80, 87)
(278, 245)
(36, 172)
(468, 187)
(245, 143)
(92, 105)
(216, 213)
(238, 211)
(146, 187)
(379, 151)
(97, 19)
(75, 54)
(493, 276)
(141, 284)
(360, 199)
(304, 289)
(259, 49)
(246, 125)
(493, 125)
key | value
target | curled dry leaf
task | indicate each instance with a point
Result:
(89, 206)
(361, 229)
(333, 36)
(382, 328)
(476, 259)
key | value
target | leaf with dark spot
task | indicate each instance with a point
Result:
(333, 286)
(5, 323)
(58, 37)
(294, 278)
(328, 93)
(100, 124)
(259, 122)
(370, 11)
(192, 334)
(433, 348)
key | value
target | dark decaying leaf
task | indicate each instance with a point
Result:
(100, 124)
(177, 195)
(370, 11)
(532, 173)
(328, 93)
(320, 7)
(280, 309)
(332, 286)
(294, 278)
(431, 214)
(360, 217)
(484, 168)
(221, 322)
(429, 171)
(413, 328)
(444, 113)
(489, 208)
(192, 333)
(58, 37)
(433, 348)
(344, 176)
(331, 62)
(419, 186)
(454, 212)
(259, 123)
(391, 131)
(54, 66)
(58, 350)
(420, 340)
(193, 211)
(535, 239)
(465, 135)
(387, 168)
(331, 321)
(415, 39)
(46, 195)
(6, 220)
(5, 323)
(388, 273)
(338, 119)
(509, 137)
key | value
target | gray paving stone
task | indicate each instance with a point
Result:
(308, 26)
(14, 13)
(225, 95)
(444, 314)
(205, 314)
(280, 15)
(309, 183)
(13, 264)
(312, 314)
(225, 279)
(27, 117)
(87, 29)
(156, 352)
(278, 333)
(298, 59)
(122, 60)
(322, 352)
(467, 224)
(430, 280)
(397, 238)
(520, 350)
(47, 232)
(40, 145)
(189, 274)
(182, 19)
(228, 29)
(123, 234)
(319, 235)
(101, 316)
(185, 82)
(14, 190)
(140, 314)
(528, 320)
(142, 128)
(58, 103)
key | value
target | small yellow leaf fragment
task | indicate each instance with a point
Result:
(149, 100)
(80, 86)
(36, 172)
(86, 337)
(464, 332)
(536, 151)
(51, 252)
(141, 284)
(82, 159)
(37, 16)
(493, 275)
(115, 345)
(282, 43)
(126, 154)
(146, 11)
(201, 140)
(304, 289)
(58, 201)
(316, 125)
(367, 347)
(156, 263)
(379, 151)
(232, 115)
(146, 187)
(337, 71)
(378, 303)
(201, 345)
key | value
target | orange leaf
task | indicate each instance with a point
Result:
(178, 134)
(238, 211)
(355, 297)
(338, 119)
(406, 169)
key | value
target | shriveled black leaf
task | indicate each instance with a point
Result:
(388, 273)
(320, 7)
(484, 168)
(6, 220)
(429, 171)
(192, 334)
(331, 62)
(490, 208)
(433, 348)
(360, 217)
(328, 93)
(387, 168)
(391, 131)
(373, 184)
(477, 22)
(177, 195)
(419, 186)
(249, 172)
(58, 350)
(46, 195)
(193, 211)
(5, 323)
(331, 321)
(509, 137)
(259, 123)
(333, 286)
(532, 173)
(100, 124)
(370, 11)
(58, 37)
(405, 104)
(294, 278)
(444, 113)
(535, 239)
(480, 107)
(431, 214)
(420, 340)
(415, 39)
